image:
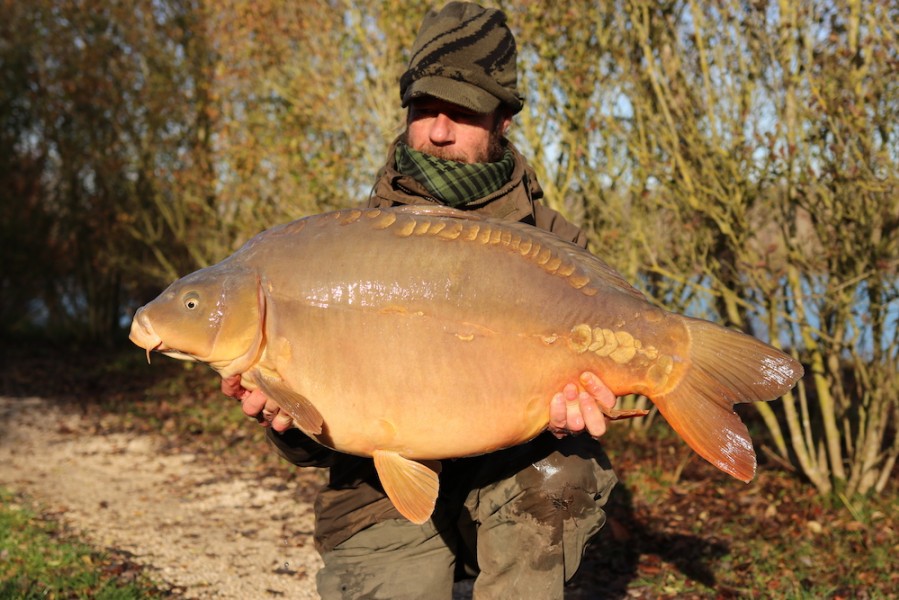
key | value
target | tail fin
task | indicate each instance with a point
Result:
(726, 367)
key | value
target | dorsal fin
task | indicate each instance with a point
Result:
(436, 210)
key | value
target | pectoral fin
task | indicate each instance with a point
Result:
(411, 485)
(304, 414)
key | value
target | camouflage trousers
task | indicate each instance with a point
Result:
(522, 536)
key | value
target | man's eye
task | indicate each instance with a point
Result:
(462, 117)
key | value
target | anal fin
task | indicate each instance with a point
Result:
(304, 414)
(615, 414)
(411, 485)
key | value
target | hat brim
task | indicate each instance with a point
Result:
(453, 91)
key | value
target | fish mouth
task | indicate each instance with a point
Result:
(143, 335)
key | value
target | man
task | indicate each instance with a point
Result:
(518, 519)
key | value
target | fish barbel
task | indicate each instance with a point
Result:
(381, 332)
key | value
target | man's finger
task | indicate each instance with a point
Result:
(574, 421)
(232, 388)
(557, 412)
(282, 421)
(594, 419)
(596, 388)
(253, 403)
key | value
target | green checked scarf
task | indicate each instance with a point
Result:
(454, 183)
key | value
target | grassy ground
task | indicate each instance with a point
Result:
(677, 527)
(39, 560)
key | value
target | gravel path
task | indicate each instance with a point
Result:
(203, 530)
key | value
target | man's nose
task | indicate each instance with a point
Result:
(442, 130)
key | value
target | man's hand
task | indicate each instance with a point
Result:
(579, 407)
(256, 405)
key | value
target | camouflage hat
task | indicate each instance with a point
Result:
(464, 54)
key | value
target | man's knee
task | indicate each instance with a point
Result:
(392, 559)
(540, 519)
(576, 477)
(559, 489)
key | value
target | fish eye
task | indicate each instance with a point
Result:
(191, 300)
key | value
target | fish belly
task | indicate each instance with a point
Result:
(425, 387)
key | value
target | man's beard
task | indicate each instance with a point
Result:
(496, 148)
